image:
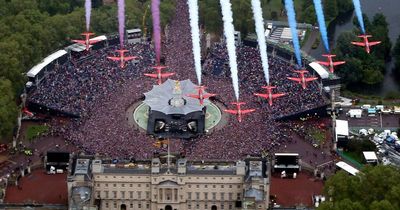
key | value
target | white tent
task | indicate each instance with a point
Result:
(36, 69)
(342, 127)
(370, 156)
(350, 169)
(321, 71)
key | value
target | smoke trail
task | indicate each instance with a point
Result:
(194, 25)
(357, 7)
(321, 23)
(155, 13)
(230, 43)
(293, 27)
(121, 21)
(259, 22)
(88, 10)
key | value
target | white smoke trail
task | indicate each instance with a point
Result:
(194, 25)
(230, 43)
(259, 23)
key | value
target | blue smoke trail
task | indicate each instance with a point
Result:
(357, 7)
(293, 28)
(321, 23)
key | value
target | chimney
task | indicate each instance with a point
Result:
(240, 168)
(182, 166)
(155, 166)
(97, 167)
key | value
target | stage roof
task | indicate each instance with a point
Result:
(171, 97)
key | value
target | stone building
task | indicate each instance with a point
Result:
(180, 185)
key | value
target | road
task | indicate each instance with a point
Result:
(310, 41)
(379, 121)
(392, 154)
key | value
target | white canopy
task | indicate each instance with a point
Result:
(350, 169)
(342, 127)
(321, 71)
(370, 156)
(101, 38)
(135, 30)
(36, 69)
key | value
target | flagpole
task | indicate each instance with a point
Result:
(168, 160)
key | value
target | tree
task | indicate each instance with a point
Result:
(381, 205)
(8, 108)
(396, 56)
(274, 15)
(330, 9)
(242, 16)
(373, 188)
(344, 6)
(380, 31)
(167, 10)
(210, 16)
(360, 68)
(367, 23)
(309, 15)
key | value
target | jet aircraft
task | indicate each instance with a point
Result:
(158, 75)
(330, 63)
(239, 111)
(366, 43)
(201, 95)
(269, 95)
(302, 79)
(122, 58)
(87, 42)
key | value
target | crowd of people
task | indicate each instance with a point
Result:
(77, 86)
(100, 92)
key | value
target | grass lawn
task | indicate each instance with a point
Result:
(318, 135)
(358, 157)
(34, 131)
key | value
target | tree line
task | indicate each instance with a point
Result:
(373, 188)
(396, 56)
(211, 18)
(332, 9)
(362, 69)
(32, 29)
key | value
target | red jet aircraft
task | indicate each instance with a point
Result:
(122, 58)
(269, 95)
(27, 112)
(159, 76)
(302, 79)
(330, 63)
(366, 43)
(87, 42)
(201, 95)
(239, 111)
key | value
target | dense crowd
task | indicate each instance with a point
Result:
(100, 92)
(252, 77)
(77, 86)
